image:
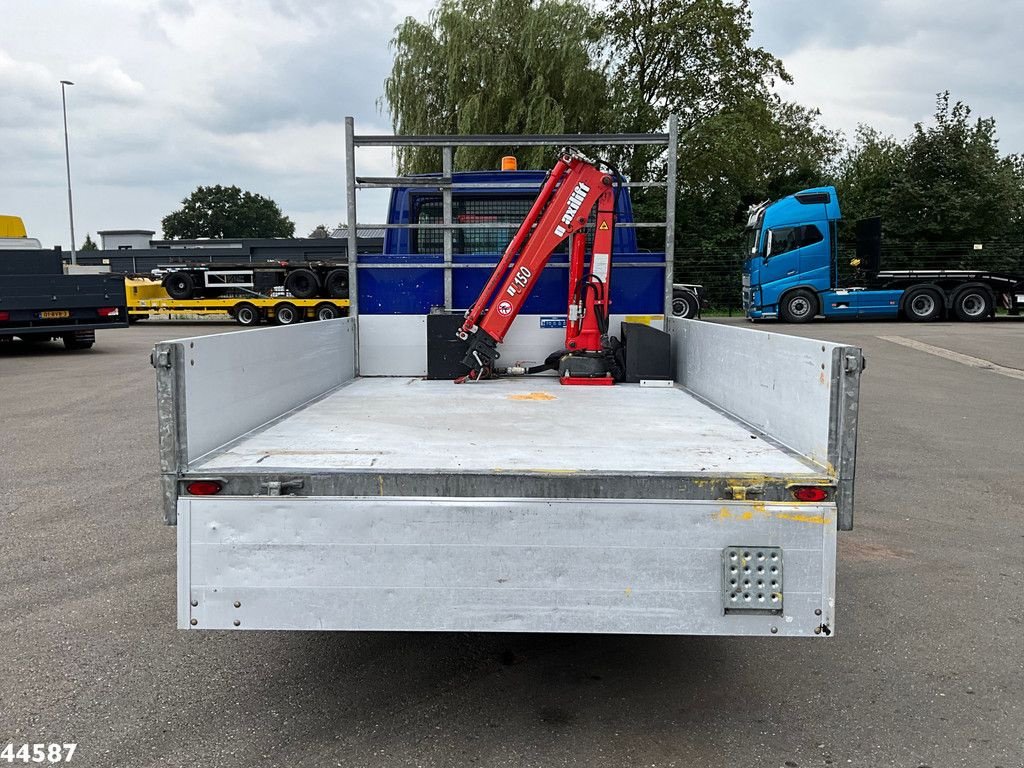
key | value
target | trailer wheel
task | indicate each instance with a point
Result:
(922, 305)
(73, 342)
(286, 314)
(302, 284)
(326, 311)
(337, 284)
(973, 304)
(800, 306)
(685, 305)
(179, 285)
(246, 314)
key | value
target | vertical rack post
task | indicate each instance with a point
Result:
(670, 213)
(446, 201)
(353, 242)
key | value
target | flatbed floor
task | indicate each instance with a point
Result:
(522, 425)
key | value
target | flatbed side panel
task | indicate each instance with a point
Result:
(801, 392)
(396, 345)
(499, 565)
(213, 389)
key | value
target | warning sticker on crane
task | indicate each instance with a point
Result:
(604, 226)
(505, 308)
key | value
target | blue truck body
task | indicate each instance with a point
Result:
(791, 272)
(637, 277)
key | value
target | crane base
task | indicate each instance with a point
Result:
(588, 381)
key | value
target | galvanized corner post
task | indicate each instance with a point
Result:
(447, 153)
(353, 242)
(670, 212)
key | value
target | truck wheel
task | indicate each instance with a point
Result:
(72, 342)
(302, 284)
(337, 283)
(922, 305)
(684, 304)
(179, 285)
(326, 311)
(246, 314)
(973, 304)
(286, 314)
(800, 306)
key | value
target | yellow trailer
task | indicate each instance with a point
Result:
(146, 298)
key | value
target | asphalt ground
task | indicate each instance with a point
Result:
(926, 667)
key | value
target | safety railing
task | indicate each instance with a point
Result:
(446, 183)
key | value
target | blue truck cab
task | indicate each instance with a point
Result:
(493, 204)
(791, 271)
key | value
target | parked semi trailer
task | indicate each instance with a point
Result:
(303, 280)
(147, 298)
(319, 480)
(791, 271)
(38, 302)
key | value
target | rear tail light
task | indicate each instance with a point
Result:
(108, 311)
(809, 493)
(5, 315)
(203, 487)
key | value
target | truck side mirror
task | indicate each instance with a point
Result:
(768, 246)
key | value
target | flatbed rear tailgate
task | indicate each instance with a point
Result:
(510, 565)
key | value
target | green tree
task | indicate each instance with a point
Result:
(759, 149)
(89, 244)
(945, 183)
(320, 232)
(495, 66)
(220, 212)
(690, 58)
(955, 184)
(866, 174)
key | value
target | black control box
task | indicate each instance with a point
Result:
(648, 353)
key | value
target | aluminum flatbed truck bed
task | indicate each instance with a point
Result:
(389, 502)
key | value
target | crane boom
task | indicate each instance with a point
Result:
(574, 187)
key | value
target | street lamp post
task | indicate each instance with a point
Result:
(67, 164)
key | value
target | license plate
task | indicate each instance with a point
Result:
(54, 313)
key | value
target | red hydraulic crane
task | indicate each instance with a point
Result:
(571, 191)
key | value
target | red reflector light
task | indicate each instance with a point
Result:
(810, 493)
(203, 487)
(108, 311)
(5, 315)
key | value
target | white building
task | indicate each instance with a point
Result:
(125, 239)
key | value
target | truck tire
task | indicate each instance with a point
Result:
(799, 306)
(326, 311)
(337, 284)
(179, 285)
(302, 283)
(73, 342)
(973, 304)
(922, 305)
(685, 305)
(246, 314)
(286, 313)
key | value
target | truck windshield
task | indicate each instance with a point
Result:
(753, 235)
(753, 232)
(488, 211)
(487, 239)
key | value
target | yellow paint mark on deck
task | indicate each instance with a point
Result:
(759, 512)
(532, 396)
(817, 519)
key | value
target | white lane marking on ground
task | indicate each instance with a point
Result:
(956, 357)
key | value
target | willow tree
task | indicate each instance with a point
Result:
(496, 66)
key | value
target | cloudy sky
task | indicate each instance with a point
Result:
(171, 94)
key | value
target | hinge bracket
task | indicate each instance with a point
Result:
(160, 358)
(281, 487)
